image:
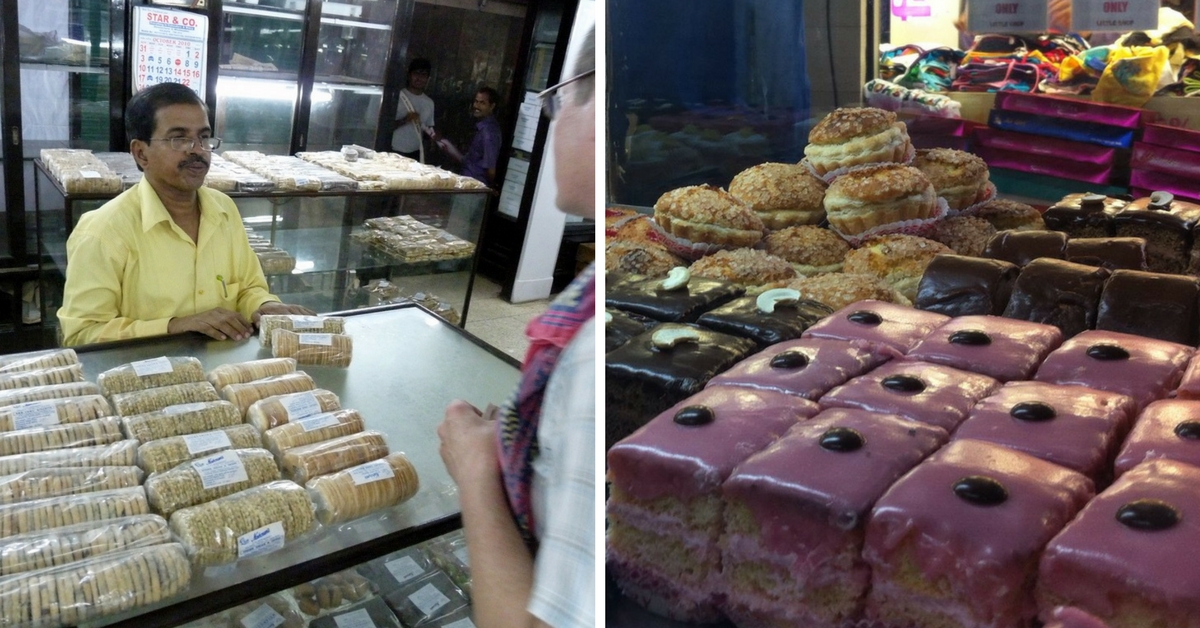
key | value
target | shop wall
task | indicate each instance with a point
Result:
(44, 95)
(837, 41)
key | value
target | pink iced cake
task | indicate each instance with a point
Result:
(807, 367)
(920, 391)
(1078, 428)
(896, 326)
(1189, 386)
(1166, 429)
(1129, 558)
(956, 541)
(1003, 348)
(1143, 368)
(795, 515)
(1071, 617)
(665, 510)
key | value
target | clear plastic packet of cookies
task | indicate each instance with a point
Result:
(152, 373)
(921, 228)
(34, 360)
(249, 523)
(279, 410)
(121, 453)
(242, 372)
(68, 544)
(312, 429)
(167, 453)
(276, 261)
(394, 570)
(369, 612)
(209, 477)
(244, 395)
(449, 553)
(313, 349)
(102, 431)
(268, 323)
(56, 512)
(277, 611)
(42, 377)
(426, 599)
(49, 412)
(59, 481)
(181, 419)
(301, 464)
(327, 594)
(95, 587)
(52, 391)
(151, 399)
(360, 490)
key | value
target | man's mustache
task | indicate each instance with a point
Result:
(195, 159)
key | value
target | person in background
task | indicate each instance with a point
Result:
(526, 481)
(414, 114)
(480, 160)
(168, 255)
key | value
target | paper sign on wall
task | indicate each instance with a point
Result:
(169, 47)
(1113, 15)
(1007, 16)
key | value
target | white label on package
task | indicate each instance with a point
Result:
(324, 340)
(461, 555)
(356, 619)
(263, 617)
(428, 599)
(185, 407)
(220, 470)
(1007, 16)
(264, 540)
(302, 181)
(462, 623)
(153, 366)
(89, 174)
(207, 441)
(1109, 15)
(403, 569)
(307, 322)
(317, 422)
(371, 472)
(34, 414)
(301, 405)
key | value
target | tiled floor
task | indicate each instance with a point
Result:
(498, 322)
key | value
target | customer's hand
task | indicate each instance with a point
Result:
(275, 307)
(468, 443)
(218, 323)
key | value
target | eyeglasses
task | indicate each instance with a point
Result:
(551, 101)
(188, 143)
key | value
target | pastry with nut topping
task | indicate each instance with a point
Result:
(639, 258)
(966, 235)
(1010, 215)
(853, 136)
(899, 260)
(810, 250)
(957, 176)
(878, 195)
(783, 195)
(707, 215)
(837, 290)
(751, 269)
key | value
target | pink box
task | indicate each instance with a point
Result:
(1146, 181)
(1044, 146)
(1172, 136)
(1072, 108)
(1046, 165)
(1171, 161)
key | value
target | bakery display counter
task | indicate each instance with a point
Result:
(406, 367)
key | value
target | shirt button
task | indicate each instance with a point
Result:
(199, 292)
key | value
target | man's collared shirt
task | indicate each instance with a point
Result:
(131, 269)
(484, 151)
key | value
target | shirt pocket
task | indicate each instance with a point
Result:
(229, 295)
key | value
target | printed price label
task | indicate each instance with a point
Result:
(264, 540)
(220, 470)
(303, 181)
(403, 569)
(89, 174)
(461, 555)
(1113, 15)
(428, 599)
(300, 405)
(461, 623)
(371, 472)
(306, 322)
(356, 619)
(317, 422)
(324, 340)
(1007, 16)
(207, 441)
(153, 366)
(34, 414)
(185, 407)
(263, 617)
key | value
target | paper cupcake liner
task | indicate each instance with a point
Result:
(920, 227)
(688, 250)
(610, 230)
(828, 177)
(989, 193)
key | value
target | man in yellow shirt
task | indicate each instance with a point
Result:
(168, 255)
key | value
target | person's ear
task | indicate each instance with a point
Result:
(138, 148)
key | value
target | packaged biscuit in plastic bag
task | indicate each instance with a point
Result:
(243, 395)
(149, 400)
(319, 349)
(330, 592)
(122, 453)
(426, 599)
(47, 412)
(208, 478)
(41, 377)
(102, 431)
(34, 360)
(300, 324)
(60, 546)
(152, 373)
(249, 523)
(167, 453)
(56, 512)
(302, 464)
(357, 491)
(275, 610)
(371, 612)
(53, 391)
(59, 481)
(313, 429)
(280, 409)
(178, 420)
(243, 372)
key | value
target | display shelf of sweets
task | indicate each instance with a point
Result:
(388, 171)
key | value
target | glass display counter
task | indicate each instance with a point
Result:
(407, 367)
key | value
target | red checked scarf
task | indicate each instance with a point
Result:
(518, 422)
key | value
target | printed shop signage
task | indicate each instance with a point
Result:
(169, 47)
(1008, 16)
(1113, 15)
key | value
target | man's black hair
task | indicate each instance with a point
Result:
(493, 96)
(420, 64)
(142, 108)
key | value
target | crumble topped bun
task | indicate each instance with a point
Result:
(878, 195)
(639, 258)
(1010, 215)
(854, 136)
(899, 260)
(749, 268)
(783, 195)
(811, 250)
(709, 215)
(967, 235)
(837, 290)
(957, 176)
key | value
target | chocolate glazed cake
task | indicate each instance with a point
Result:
(1156, 305)
(1084, 215)
(1058, 293)
(1111, 253)
(1022, 247)
(774, 316)
(1166, 224)
(956, 285)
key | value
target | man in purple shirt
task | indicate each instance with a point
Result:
(480, 160)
